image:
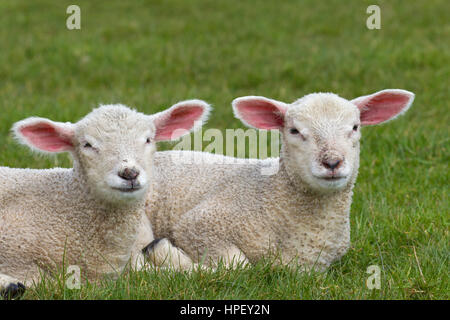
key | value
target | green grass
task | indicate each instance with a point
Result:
(151, 54)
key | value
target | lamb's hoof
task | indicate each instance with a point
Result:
(13, 291)
(150, 246)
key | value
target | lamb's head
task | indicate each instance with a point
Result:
(113, 146)
(321, 131)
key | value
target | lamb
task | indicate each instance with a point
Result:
(234, 214)
(91, 215)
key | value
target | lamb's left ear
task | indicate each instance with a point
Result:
(180, 119)
(383, 105)
(44, 135)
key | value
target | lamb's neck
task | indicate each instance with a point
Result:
(110, 230)
(107, 216)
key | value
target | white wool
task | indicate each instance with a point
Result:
(91, 215)
(208, 211)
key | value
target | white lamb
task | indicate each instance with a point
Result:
(231, 212)
(91, 215)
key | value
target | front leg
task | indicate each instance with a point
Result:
(10, 288)
(163, 254)
(144, 237)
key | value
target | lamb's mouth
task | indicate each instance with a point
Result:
(331, 178)
(130, 189)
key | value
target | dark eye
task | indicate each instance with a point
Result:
(293, 131)
(148, 140)
(355, 127)
(87, 145)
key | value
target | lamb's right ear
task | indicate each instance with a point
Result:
(260, 112)
(180, 119)
(44, 135)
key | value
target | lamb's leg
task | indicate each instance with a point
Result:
(199, 242)
(234, 257)
(10, 288)
(163, 254)
(144, 237)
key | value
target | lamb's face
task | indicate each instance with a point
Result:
(321, 131)
(321, 137)
(114, 147)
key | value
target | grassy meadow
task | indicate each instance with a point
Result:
(152, 54)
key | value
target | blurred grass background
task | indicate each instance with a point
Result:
(152, 54)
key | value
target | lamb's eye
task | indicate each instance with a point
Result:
(148, 140)
(87, 145)
(293, 131)
(355, 127)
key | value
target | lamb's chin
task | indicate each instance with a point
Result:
(128, 194)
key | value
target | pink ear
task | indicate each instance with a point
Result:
(44, 135)
(383, 105)
(260, 112)
(179, 119)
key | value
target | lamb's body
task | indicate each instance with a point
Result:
(237, 211)
(50, 215)
(92, 215)
(222, 209)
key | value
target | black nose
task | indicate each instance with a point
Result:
(331, 164)
(129, 174)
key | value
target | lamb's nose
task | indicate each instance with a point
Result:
(331, 164)
(129, 174)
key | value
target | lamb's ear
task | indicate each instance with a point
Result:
(44, 135)
(260, 112)
(180, 119)
(383, 105)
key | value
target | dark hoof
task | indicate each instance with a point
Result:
(13, 291)
(150, 246)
